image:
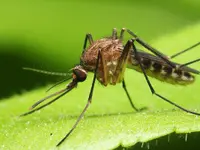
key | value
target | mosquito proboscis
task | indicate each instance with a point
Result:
(108, 58)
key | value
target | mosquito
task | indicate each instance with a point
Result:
(108, 59)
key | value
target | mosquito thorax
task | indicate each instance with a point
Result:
(110, 49)
(79, 74)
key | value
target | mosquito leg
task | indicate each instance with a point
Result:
(161, 55)
(122, 34)
(129, 98)
(151, 87)
(114, 34)
(189, 63)
(121, 66)
(153, 50)
(87, 105)
(89, 38)
(185, 50)
(122, 63)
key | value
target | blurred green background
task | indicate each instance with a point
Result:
(49, 34)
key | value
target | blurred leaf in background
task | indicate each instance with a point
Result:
(49, 35)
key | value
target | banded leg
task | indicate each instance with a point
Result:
(151, 87)
(86, 106)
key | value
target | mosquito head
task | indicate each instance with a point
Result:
(79, 74)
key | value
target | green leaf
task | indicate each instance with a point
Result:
(110, 121)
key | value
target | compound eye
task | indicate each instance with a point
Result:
(79, 74)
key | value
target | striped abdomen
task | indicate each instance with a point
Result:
(159, 69)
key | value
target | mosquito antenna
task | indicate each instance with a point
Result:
(59, 82)
(46, 72)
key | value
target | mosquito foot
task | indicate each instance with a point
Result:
(142, 109)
